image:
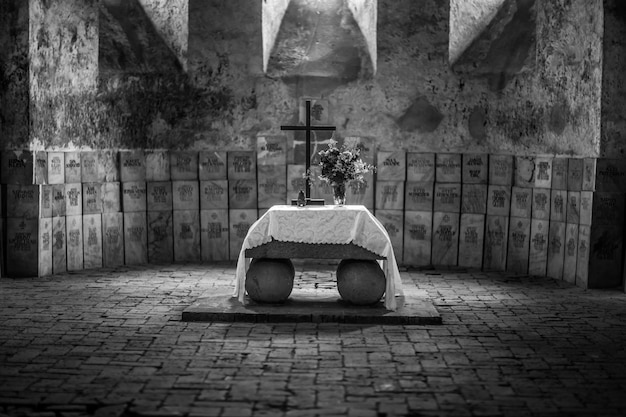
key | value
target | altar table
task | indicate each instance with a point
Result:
(323, 225)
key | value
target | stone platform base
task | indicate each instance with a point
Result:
(313, 306)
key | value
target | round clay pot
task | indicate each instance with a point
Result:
(360, 282)
(270, 280)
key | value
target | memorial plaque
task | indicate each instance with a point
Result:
(558, 205)
(389, 195)
(496, 239)
(56, 167)
(92, 241)
(321, 189)
(159, 196)
(111, 197)
(186, 195)
(361, 192)
(418, 231)
(74, 225)
(73, 199)
(471, 240)
(586, 205)
(241, 165)
(58, 200)
(572, 211)
(272, 185)
(518, 251)
(214, 194)
(611, 175)
(92, 198)
(41, 167)
(214, 235)
(605, 256)
(242, 194)
(112, 239)
(212, 165)
(501, 170)
(295, 180)
(157, 166)
(475, 169)
(90, 167)
(541, 204)
(132, 166)
(271, 151)
(474, 198)
(608, 209)
(134, 196)
(447, 197)
(391, 165)
(556, 249)
(571, 253)
(393, 221)
(582, 257)
(22, 247)
(524, 171)
(17, 167)
(575, 168)
(589, 174)
(72, 168)
(559, 173)
(521, 202)
(543, 172)
(109, 169)
(420, 167)
(22, 201)
(44, 248)
(448, 167)
(419, 196)
(239, 222)
(59, 245)
(538, 255)
(183, 165)
(365, 145)
(45, 201)
(445, 239)
(498, 200)
(160, 237)
(135, 238)
(186, 235)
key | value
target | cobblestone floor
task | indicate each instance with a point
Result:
(111, 343)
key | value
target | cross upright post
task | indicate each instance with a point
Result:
(308, 128)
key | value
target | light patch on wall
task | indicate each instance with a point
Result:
(365, 13)
(271, 16)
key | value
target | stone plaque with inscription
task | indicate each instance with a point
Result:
(134, 196)
(111, 197)
(212, 165)
(90, 167)
(589, 174)
(475, 169)
(393, 221)
(559, 173)
(73, 169)
(74, 226)
(611, 175)
(214, 235)
(605, 257)
(239, 222)
(135, 238)
(418, 231)
(496, 239)
(540, 204)
(420, 167)
(572, 211)
(448, 167)
(58, 200)
(41, 167)
(389, 195)
(160, 237)
(22, 247)
(295, 180)
(571, 252)
(586, 205)
(92, 241)
(391, 165)
(543, 172)
(320, 189)
(56, 167)
(45, 247)
(361, 192)
(109, 169)
(186, 235)
(447, 197)
(418, 196)
(241, 165)
(16, 167)
(271, 151)
(183, 165)
(59, 245)
(159, 196)
(22, 201)
(575, 174)
(556, 249)
(518, 247)
(132, 166)
(157, 166)
(538, 254)
(73, 199)
(471, 239)
(112, 239)
(608, 209)
(558, 205)
(498, 200)
(366, 146)
(582, 257)
(92, 198)
(521, 202)
(186, 195)
(242, 194)
(45, 201)
(524, 171)
(272, 185)
(214, 194)
(501, 169)
(445, 239)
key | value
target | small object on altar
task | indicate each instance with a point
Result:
(301, 199)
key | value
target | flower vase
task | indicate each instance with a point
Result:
(339, 193)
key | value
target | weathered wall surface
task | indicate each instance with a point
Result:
(14, 102)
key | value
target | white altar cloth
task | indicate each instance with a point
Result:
(323, 224)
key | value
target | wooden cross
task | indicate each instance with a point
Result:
(308, 129)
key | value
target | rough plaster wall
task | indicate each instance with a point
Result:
(468, 19)
(272, 15)
(613, 144)
(14, 101)
(365, 12)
